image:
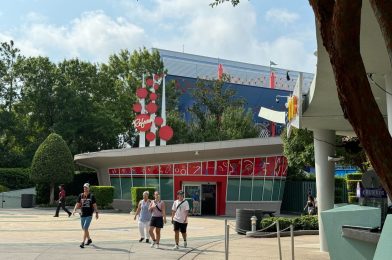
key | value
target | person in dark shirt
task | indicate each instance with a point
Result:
(61, 202)
(87, 203)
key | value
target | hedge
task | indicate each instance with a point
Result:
(354, 176)
(15, 178)
(352, 185)
(137, 195)
(72, 189)
(103, 194)
(299, 223)
(3, 188)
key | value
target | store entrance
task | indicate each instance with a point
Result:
(208, 199)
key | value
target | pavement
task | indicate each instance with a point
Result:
(36, 234)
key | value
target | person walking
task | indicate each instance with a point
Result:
(144, 217)
(180, 211)
(310, 204)
(61, 202)
(158, 218)
(88, 205)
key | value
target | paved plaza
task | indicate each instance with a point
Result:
(36, 234)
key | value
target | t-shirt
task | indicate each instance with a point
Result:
(87, 203)
(62, 195)
(181, 212)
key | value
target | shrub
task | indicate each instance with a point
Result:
(354, 176)
(103, 194)
(52, 163)
(299, 223)
(352, 185)
(137, 195)
(3, 188)
(71, 200)
(352, 199)
(15, 178)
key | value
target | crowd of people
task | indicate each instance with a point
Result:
(150, 214)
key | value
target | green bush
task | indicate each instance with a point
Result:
(71, 200)
(352, 199)
(352, 185)
(137, 195)
(3, 188)
(354, 176)
(103, 194)
(299, 223)
(15, 178)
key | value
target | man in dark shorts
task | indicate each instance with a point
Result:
(180, 212)
(87, 203)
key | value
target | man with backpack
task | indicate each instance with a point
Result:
(180, 212)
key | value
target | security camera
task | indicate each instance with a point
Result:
(277, 100)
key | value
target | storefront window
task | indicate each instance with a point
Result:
(117, 187)
(166, 188)
(282, 190)
(233, 189)
(126, 184)
(257, 189)
(152, 182)
(246, 189)
(267, 190)
(139, 181)
(276, 190)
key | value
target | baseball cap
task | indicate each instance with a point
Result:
(180, 192)
(87, 185)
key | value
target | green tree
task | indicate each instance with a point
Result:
(52, 163)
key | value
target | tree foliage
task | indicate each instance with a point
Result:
(52, 163)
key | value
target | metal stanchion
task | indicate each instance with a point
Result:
(225, 238)
(292, 241)
(228, 236)
(278, 236)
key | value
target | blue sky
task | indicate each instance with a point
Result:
(256, 31)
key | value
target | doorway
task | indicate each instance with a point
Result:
(208, 199)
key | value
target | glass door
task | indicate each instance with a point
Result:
(192, 195)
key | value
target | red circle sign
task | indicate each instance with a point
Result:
(142, 122)
(153, 96)
(149, 82)
(156, 77)
(166, 133)
(150, 136)
(137, 107)
(156, 86)
(141, 93)
(152, 108)
(158, 121)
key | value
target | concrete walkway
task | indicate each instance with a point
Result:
(35, 234)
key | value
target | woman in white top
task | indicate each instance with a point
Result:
(158, 218)
(144, 217)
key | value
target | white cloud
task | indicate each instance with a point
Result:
(281, 16)
(93, 36)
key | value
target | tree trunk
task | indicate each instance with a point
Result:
(51, 193)
(340, 22)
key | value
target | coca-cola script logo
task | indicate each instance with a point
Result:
(142, 123)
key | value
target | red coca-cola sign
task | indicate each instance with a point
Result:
(142, 122)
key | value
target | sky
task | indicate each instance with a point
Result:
(256, 31)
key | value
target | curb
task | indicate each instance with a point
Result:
(282, 234)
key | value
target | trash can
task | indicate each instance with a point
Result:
(242, 217)
(27, 200)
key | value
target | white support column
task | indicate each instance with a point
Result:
(324, 146)
(388, 87)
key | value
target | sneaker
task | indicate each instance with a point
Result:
(69, 214)
(89, 242)
(82, 245)
(157, 246)
(185, 244)
(152, 244)
(56, 216)
(147, 240)
(141, 239)
(176, 247)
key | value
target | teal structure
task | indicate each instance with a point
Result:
(340, 247)
(384, 246)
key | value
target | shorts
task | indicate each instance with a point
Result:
(180, 226)
(85, 221)
(156, 222)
